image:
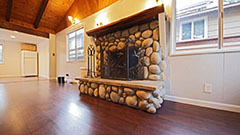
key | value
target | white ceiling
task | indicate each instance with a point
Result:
(20, 37)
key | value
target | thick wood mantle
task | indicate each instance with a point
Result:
(139, 18)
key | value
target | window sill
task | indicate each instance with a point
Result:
(80, 61)
(207, 46)
(206, 51)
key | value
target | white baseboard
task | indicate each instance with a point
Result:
(42, 76)
(208, 104)
(6, 76)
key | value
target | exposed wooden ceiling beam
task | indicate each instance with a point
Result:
(40, 14)
(9, 26)
(9, 8)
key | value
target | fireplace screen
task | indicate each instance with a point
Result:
(123, 61)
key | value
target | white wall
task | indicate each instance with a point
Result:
(187, 74)
(11, 66)
(43, 59)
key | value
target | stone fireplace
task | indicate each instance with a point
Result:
(131, 54)
(130, 61)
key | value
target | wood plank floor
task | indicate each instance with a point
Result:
(46, 108)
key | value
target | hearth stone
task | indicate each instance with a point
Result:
(155, 34)
(149, 51)
(155, 58)
(138, 34)
(156, 46)
(154, 24)
(147, 33)
(154, 69)
(133, 30)
(147, 42)
(154, 77)
(143, 95)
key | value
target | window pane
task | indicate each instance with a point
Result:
(231, 23)
(81, 31)
(1, 52)
(80, 44)
(186, 31)
(80, 52)
(79, 41)
(72, 52)
(71, 35)
(196, 24)
(80, 38)
(198, 29)
(71, 43)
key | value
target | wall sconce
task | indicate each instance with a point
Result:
(99, 24)
(101, 19)
(73, 20)
(158, 2)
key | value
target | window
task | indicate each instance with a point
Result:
(76, 45)
(192, 30)
(204, 25)
(1, 53)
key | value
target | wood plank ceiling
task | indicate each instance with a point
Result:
(81, 9)
(40, 17)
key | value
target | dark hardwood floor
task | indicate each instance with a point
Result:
(46, 108)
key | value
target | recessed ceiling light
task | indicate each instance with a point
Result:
(15, 31)
(12, 36)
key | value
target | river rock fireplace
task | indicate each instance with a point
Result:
(130, 64)
(130, 54)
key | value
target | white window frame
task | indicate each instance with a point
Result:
(67, 42)
(1, 44)
(205, 18)
(172, 37)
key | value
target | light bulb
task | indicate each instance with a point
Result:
(70, 18)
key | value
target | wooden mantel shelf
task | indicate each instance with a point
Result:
(139, 18)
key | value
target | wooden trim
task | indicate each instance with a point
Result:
(9, 26)
(200, 48)
(139, 18)
(28, 47)
(39, 17)
(9, 9)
